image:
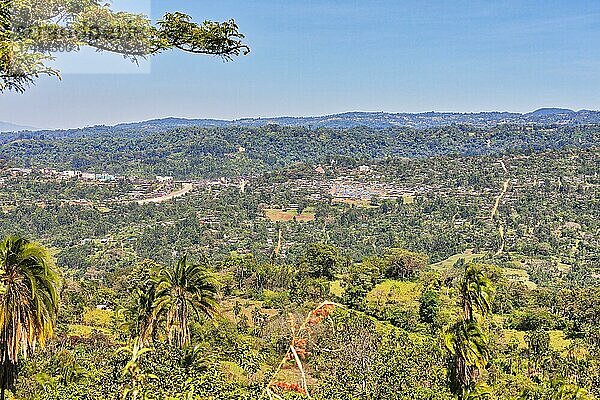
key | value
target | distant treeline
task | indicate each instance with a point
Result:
(234, 151)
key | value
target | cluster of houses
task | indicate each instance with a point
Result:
(74, 174)
(56, 174)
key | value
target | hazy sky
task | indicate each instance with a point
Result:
(325, 56)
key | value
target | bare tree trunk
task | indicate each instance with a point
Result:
(4, 371)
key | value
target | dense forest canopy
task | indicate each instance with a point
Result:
(245, 151)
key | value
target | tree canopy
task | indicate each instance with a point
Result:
(32, 31)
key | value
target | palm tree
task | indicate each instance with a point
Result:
(465, 340)
(467, 343)
(28, 303)
(145, 320)
(476, 292)
(183, 289)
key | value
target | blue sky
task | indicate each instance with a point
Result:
(325, 56)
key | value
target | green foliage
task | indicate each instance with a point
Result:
(133, 372)
(538, 342)
(181, 290)
(429, 308)
(476, 292)
(466, 340)
(360, 280)
(32, 30)
(390, 339)
(273, 299)
(97, 317)
(28, 304)
(531, 320)
(468, 345)
(403, 264)
(321, 261)
(398, 367)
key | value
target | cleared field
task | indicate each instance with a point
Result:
(519, 275)
(523, 263)
(86, 330)
(275, 215)
(558, 341)
(391, 291)
(336, 289)
(408, 199)
(468, 256)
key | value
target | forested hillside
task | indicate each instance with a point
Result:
(292, 263)
(242, 151)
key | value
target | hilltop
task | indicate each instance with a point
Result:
(376, 120)
(9, 127)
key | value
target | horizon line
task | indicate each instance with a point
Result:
(187, 118)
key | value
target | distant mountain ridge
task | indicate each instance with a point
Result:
(543, 116)
(9, 127)
(378, 120)
(544, 112)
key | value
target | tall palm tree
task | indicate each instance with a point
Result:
(28, 302)
(467, 343)
(138, 316)
(476, 292)
(181, 290)
(465, 340)
(144, 318)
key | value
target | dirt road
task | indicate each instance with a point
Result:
(187, 187)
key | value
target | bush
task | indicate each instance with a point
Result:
(273, 299)
(97, 317)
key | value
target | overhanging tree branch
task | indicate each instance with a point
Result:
(31, 31)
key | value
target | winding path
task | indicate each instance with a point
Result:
(494, 211)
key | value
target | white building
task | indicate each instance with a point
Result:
(105, 177)
(164, 178)
(88, 176)
(70, 174)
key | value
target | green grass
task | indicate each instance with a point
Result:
(275, 215)
(519, 275)
(336, 289)
(233, 372)
(468, 255)
(86, 330)
(562, 267)
(392, 291)
(408, 199)
(97, 318)
(558, 341)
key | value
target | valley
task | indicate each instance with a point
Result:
(389, 232)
